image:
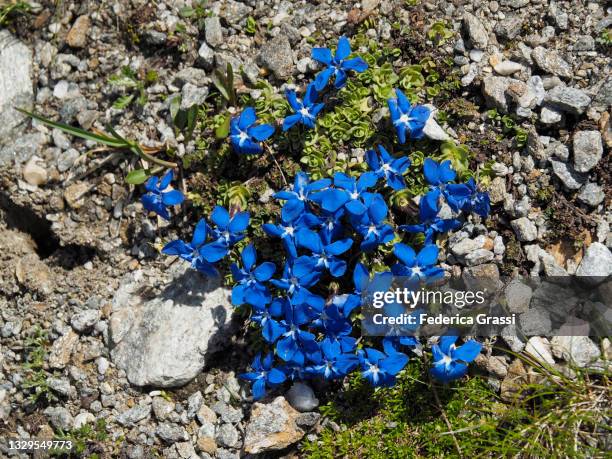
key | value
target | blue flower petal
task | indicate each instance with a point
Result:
(323, 55)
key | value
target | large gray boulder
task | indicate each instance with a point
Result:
(16, 89)
(165, 341)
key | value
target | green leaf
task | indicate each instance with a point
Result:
(103, 139)
(137, 176)
(223, 130)
(192, 115)
(251, 25)
(218, 80)
(175, 110)
(186, 12)
(230, 84)
(123, 101)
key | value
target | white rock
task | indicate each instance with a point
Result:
(506, 68)
(165, 341)
(540, 349)
(82, 419)
(434, 131)
(579, 350)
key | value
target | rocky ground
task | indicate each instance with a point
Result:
(99, 335)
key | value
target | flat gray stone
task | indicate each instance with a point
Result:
(518, 296)
(591, 195)
(272, 427)
(213, 32)
(588, 150)
(525, 229)
(596, 264)
(550, 61)
(476, 31)
(277, 56)
(567, 174)
(566, 99)
(164, 341)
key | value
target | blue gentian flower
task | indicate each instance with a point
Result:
(266, 316)
(465, 196)
(296, 345)
(190, 251)
(227, 232)
(406, 118)
(297, 198)
(263, 375)
(380, 369)
(385, 165)
(337, 328)
(298, 276)
(337, 65)
(348, 193)
(306, 110)
(417, 267)
(159, 195)
(333, 363)
(438, 174)
(250, 288)
(325, 255)
(246, 137)
(331, 226)
(430, 224)
(450, 362)
(370, 225)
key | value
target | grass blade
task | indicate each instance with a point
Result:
(111, 142)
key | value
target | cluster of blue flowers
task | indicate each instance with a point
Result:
(322, 225)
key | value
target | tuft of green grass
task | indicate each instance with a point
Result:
(35, 380)
(12, 9)
(86, 441)
(553, 417)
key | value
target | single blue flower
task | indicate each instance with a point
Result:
(380, 369)
(348, 193)
(337, 65)
(159, 195)
(407, 118)
(430, 223)
(296, 345)
(450, 362)
(333, 363)
(438, 174)
(337, 328)
(306, 110)
(366, 286)
(228, 231)
(245, 136)
(190, 251)
(249, 287)
(370, 225)
(385, 165)
(297, 198)
(266, 316)
(421, 267)
(263, 375)
(298, 275)
(465, 196)
(325, 255)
